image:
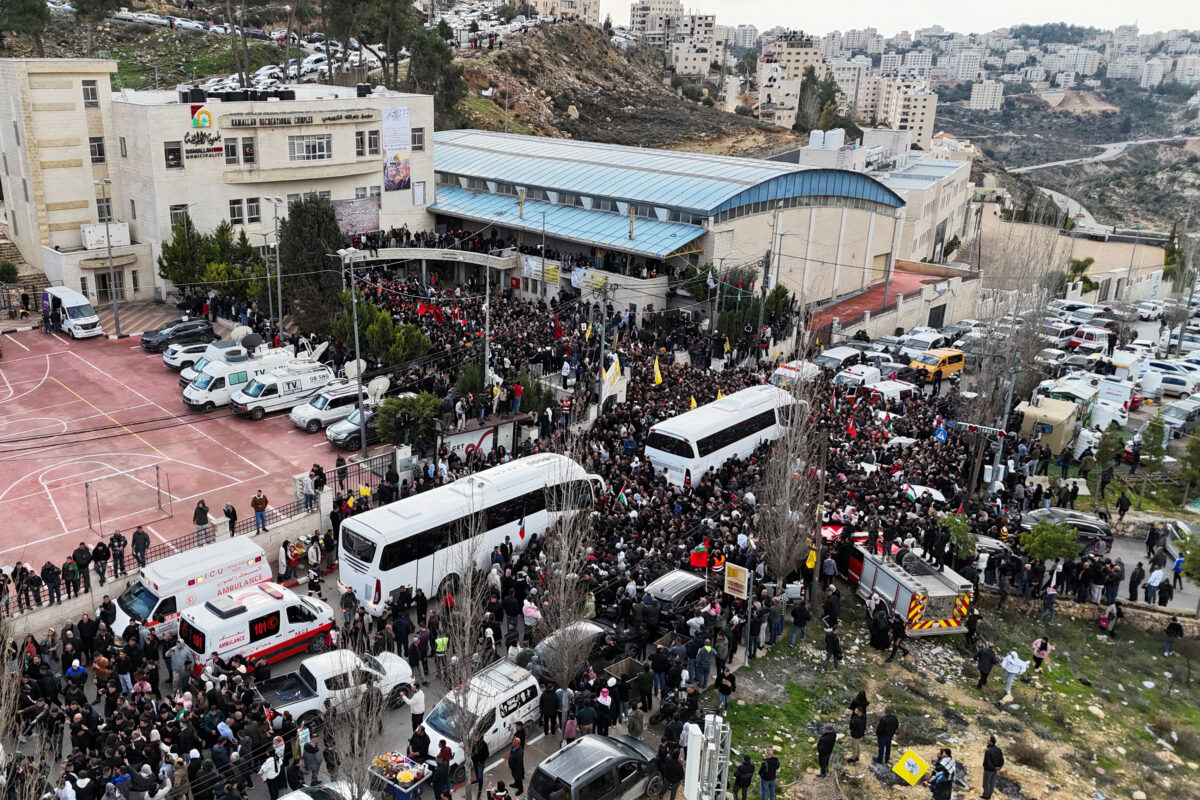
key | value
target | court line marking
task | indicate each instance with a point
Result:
(7, 385)
(30, 358)
(65, 423)
(17, 342)
(64, 341)
(111, 417)
(190, 425)
(45, 375)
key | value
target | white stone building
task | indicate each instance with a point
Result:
(986, 96)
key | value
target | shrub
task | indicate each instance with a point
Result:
(1030, 755)
(8, 272)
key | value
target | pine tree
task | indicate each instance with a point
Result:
(308, 233)
(27, 17)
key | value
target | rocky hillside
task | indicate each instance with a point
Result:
(568, 80)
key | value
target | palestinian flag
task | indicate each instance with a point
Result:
(699, 557)
(622, 498)
(908, 492)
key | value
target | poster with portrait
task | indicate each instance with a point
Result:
(397, 149)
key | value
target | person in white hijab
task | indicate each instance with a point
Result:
(1013, 666)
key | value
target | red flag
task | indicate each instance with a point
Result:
(422, 309)
(851, 431)
(438, 315)
(557, 328)
(960, 509)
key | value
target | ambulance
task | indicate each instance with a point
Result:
(165, 587)
(265, 621)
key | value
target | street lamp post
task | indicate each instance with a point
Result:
(347, 255)
(275, 203)
(112, 285)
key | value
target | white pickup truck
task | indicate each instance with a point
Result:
(339, 676)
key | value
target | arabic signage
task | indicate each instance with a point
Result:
(736, 579)
(271, 119)
(541, 270)
(357, 216)
(202, 143)
(587, 280)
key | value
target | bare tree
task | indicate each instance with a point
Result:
(31, 743)
(357, 729)
(788, 522)
(563, 596)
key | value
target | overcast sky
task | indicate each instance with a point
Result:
(890, 17)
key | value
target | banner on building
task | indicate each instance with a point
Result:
(397, 149)
(541, 270)
(357, 216)
(587, 280)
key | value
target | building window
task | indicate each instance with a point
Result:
(313, 147)
(96, 144)
(418, 140)
(360, 143)
(360, 192)
(236, 216)
(372, 143)
(132, 208)
(5, 157)
(325, 195)
(124, 152)
(137, 284)
(17, 132)
(292, 199)
(231, 151)
(25, 189)
(373, 191)
(178, 214)
(252, 210)
(248, 156)
(173, 154)
(418, 193)
(91, 94)
(104, 209)
(83, 285)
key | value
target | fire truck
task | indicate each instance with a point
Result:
(932, 601)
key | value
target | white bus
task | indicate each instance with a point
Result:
(418, 541)
(704, 438)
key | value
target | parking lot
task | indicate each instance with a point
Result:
(94, 437)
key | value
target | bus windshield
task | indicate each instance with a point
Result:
(669, 444)
(358, 546)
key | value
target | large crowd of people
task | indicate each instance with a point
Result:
(131, 715)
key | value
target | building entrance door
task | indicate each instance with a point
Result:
(110, 287)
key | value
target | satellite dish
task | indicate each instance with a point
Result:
(241, 332)
(251, 341)
(378, 387)
(315, 355)
(354, 367)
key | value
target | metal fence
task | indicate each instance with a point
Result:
(368, 472)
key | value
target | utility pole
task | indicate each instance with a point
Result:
(347, 256)
(1012, 383)
(487, 323)
(603, 292)
(762, 305)
(112, 275)
(275, 201)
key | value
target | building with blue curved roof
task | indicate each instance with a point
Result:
(645, 214)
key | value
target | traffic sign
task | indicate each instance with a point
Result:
(941, 435)
(911, 767)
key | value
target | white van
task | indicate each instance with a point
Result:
(838, 358)
(916, 344)
(79, 320)
(890, 392)
(165, 587)
(789, 374)
(219, 380)
(283, 387)
(858, 375)
(267, 621)
(230, 351)
(497, 698)
(1057, 334)
(332, 404)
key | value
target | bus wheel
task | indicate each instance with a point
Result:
(449, 585)
(317, 644)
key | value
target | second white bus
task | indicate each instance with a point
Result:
(425, 542)
(704, 438)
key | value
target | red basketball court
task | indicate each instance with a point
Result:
(94, 437)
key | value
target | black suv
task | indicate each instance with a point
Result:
(180, 331)
(1091, 530)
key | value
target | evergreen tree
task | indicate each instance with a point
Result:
(306, 236)
(829, 116)
(183, 258)
(26, 17)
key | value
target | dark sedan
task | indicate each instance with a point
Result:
(1091, 530)
(180, 331)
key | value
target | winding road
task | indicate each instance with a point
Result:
(1110, 151)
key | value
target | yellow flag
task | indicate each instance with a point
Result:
(811, 561)
(720, 394)
(727, 347)
(693, 401)
(587, 334)
(657, 372)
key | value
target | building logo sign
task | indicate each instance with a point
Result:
(201, 117)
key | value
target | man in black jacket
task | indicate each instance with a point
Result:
(83, 559)
(100, 555)
(899, 633)
(858, 729)
(985, 659)
(885, 730)
(140, 543)
(768, 771)
(993, 760)
(825, 749)
(833, 648)
(672, 773)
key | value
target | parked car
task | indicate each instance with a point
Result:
(1181, 416)
(340, 676)
(597, 767)
(1090, 529)
(180, 331)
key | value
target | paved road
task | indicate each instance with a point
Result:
(1131, 550)
(1084, 221)
(1110, 151)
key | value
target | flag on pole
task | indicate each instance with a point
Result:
(908, 492)
(657, 372)
(727, 347)
(960, 509)
(587, 334)
(621, 497)
(521, 531)
(720, 394)
(693, 401)
(699, 556)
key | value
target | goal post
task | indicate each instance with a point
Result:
(143, 493)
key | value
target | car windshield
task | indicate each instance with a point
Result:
(353, 418)
(319, 402)
(201, 364)
(926, 358)
(79, 312)
(450, 718)
(255, 389)
(137, 601)
(202, 380)
(843, 378)
(1175, 411)
(827, 361)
